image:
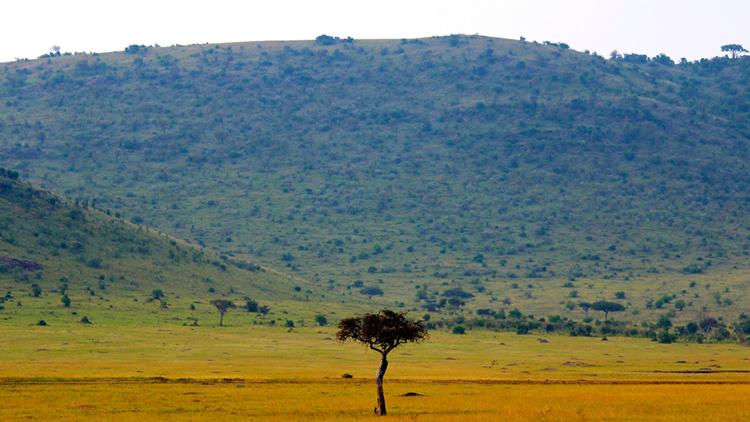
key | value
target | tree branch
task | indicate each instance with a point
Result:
(376, 349)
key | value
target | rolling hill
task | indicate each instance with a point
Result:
(524, 174)
(110, 269)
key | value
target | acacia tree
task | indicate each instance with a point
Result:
(607, 307)
(223, 305)
(734, 49)
(381, 332)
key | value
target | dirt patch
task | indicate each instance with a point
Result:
(704, 371)
(576, 363)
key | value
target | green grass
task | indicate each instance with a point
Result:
(109, 268)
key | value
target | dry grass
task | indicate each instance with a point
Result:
(96, 373)
(345, 400)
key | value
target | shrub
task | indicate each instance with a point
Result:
(136, 49)
(251, 305)
(664, 322)
(665, 337)
(372, 291)
(458, 330)
(457, 292)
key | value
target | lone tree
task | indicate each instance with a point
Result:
(381, 332)
(734, 49)
(607, 307)
(223, 306)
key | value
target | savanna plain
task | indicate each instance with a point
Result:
(268, 373)
(571, 232)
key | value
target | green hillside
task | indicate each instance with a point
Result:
(52, 248)
(527, 174)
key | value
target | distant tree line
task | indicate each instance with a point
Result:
(704, 329)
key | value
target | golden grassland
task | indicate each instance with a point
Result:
(353, 401)
(263, 373)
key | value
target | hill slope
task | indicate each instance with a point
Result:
(452, 161)
(51, 247)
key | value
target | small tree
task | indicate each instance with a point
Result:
(251, 305)
(157, 294)
(321, 320)
(223, 305)
(607, 307)
(679, 305)
(664, 322)
(707, 324)
(733, 49)
(372, 291)
(66, 301)
(382, 332)
(36, 291)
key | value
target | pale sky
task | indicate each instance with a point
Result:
(679, 28)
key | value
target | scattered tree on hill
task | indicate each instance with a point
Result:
(372, 291)
(585, 306)
(136, 49)
(10, 174)
(381, 332)
(251, 305)
(331, 40)
(321, 320)
(66, 301)
(679, 305)
(36, 291)
(734, 49)
(222, 305)
(664, 322)
(157, 294)
(607, 307)
(458, 292)
(707, 324)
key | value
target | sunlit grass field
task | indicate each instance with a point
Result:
(268, 373)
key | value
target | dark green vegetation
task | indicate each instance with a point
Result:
(664, 330)
(66, 262)
(444, 174)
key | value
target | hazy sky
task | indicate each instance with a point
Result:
(679, 28)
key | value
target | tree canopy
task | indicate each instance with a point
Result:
(607, 307)
(383, 331)
(223, 305)
(734, 49)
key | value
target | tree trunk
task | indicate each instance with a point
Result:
(606, 315)
(221, 319)
(380, 410)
